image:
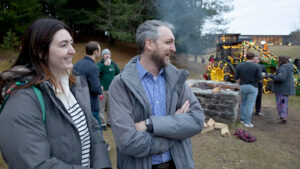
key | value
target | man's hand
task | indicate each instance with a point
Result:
(140, 126)
(107, 62)
(184, 108)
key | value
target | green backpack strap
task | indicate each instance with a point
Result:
(41, 100)
(3, 104)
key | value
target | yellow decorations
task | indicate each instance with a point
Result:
(266, 85)
(233, 46)
(231, 59)
(272, 59)
(296, 76)
(297, 80)
(217, 74)
(232, 54)
(217, 71)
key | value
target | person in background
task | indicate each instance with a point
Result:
(153, 111)
(66, 136)
(297, 63)
(249, 74)
(87, 67)
(283, 86)
(202, 60)
(264, 74)
(108, 69)
(211, 58)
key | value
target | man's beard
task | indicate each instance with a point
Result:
(159, 61)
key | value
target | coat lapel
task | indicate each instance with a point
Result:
(61, 108)
(131, 79)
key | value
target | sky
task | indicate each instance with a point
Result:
(264, 17)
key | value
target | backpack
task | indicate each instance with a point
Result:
(37, 93)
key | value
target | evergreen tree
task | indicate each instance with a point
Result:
(17, 15)
(120, 18)
(76, 14)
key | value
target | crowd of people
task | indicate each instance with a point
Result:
(249, 75)
(151, 110)
(146, 105)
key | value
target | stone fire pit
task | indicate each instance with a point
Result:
(219, 100)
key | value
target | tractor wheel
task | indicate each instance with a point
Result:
(221, 70)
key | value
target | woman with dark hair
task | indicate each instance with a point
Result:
(59, 131)
(283, 86)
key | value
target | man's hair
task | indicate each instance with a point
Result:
(283, 59)
(149, 30)
(296, 61)
(250, 56)
(91, 46)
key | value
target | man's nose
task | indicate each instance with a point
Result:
(173, 48)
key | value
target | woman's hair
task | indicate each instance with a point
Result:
(149, 29)
(282, 60)
(34, 53)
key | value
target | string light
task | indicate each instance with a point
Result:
(216, 71)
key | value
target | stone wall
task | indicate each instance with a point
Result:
(219, 100)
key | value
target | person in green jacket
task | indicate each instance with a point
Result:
(108, 69)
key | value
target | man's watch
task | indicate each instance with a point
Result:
(149, 125)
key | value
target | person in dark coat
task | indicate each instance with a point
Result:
(87, 67)
(283, 86)
(264, 74)
(297, 63)
(248, 74)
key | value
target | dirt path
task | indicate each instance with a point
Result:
(277, 145)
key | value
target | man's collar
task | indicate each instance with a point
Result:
(142, 71)
(88, 57)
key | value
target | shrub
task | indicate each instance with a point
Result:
(10, 41)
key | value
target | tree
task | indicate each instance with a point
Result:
(76, 14)
(10, 41)
(189, 18)
(17, 15)
(120, 18)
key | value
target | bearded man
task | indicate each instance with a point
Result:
(153, 111)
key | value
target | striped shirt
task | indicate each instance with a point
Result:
(81, 125)
(78, 117)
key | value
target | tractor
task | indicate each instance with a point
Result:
(230, 54)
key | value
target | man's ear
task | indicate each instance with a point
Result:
(95, 52)
(149, 44)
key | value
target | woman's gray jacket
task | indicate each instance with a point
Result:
(27, 142)
(129, 104)
(283, 80)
